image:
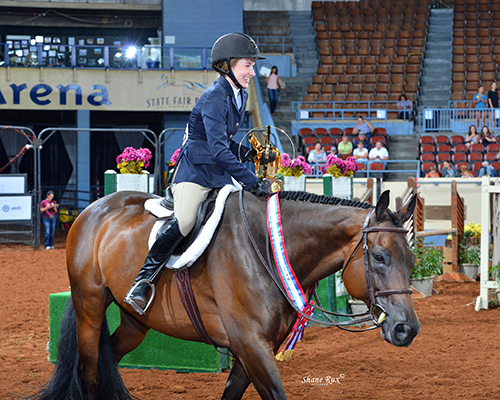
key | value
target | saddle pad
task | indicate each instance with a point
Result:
(205, 235)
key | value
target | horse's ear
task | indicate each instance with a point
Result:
(382, 204)
(406, 211)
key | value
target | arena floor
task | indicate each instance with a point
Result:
(453, 357)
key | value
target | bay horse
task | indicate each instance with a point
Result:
(241, 307)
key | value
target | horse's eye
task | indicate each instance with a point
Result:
(378, 258)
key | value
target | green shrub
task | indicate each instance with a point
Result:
(429, 260)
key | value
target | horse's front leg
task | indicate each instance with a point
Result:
(257, 359)
(237, 383)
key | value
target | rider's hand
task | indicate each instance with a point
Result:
(261, 188)
(250, 154)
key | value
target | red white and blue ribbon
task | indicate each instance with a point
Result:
(287, 276)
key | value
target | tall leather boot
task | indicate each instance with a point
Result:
(162, 249)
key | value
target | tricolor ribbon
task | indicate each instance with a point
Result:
(287, 276)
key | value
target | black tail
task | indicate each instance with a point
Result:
(65, 383)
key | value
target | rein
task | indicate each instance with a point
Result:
(373, 293)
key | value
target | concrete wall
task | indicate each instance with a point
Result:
(198, 23)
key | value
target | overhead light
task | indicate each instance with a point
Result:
(130, 52)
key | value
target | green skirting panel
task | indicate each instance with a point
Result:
(156, 351)
(330, 301)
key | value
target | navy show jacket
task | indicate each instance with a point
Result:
(210, 156)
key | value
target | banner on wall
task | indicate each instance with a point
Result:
(16, 208)
(98, 90)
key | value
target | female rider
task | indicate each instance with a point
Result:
(210, 157)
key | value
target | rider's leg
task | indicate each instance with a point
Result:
(187, 200)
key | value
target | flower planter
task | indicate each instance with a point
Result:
(114, 182)
(338, 187)
(471, 270)
(292, 183)
(359, 307)
(423, 285)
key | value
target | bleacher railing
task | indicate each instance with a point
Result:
(269, 43)
(103, 57)
(336, 110)
(458, 119)
(412, 170)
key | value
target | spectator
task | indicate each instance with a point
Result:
(480, 102)
(379, 154)
(364, 127)
(433, 173)
(317, 155)
(472, 137)
(486, 137)
(449, 170)
(493, 96)
(486, 169)
(345, 147)
(464, 171)
(362, 138)
(273, 88)
(333, 150)
(48, 208)
(360, 153)
(406, 106)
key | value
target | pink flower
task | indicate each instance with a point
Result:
(286, 161)
(175, 156)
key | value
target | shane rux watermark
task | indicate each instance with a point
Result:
(323, 380)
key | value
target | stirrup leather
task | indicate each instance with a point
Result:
(133, 304)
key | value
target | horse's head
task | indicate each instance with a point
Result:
(381, 277)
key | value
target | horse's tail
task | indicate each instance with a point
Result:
(65, 383)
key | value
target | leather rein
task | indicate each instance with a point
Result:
(376, 312)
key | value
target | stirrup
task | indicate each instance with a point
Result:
(131, 301)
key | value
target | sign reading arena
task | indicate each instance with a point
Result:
(115, 90)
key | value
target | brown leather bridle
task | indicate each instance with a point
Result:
(376, 310)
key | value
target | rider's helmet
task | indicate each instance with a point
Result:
(230, 46)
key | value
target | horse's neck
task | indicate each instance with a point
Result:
(319, 238)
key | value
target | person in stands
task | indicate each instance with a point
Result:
(472, 137)
(209, 158)
(480, 102)
(317, 155)
(360, 153)
(362, 137)
(486, 137)
(486, 169)
(405, 107)
(465, 172)
(273, 88)
(379, 153)
(345, 147)
(363, 126)
(433, 173)
(448, 170)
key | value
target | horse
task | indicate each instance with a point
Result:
(242, 308)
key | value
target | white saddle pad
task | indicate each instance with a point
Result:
(204, 236)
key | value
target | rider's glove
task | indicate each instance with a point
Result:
(261, 188)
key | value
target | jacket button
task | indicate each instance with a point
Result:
(237, 124)
(230, 137)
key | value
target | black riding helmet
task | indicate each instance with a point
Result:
(233, 45)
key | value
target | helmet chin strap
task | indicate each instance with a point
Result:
(229, 73)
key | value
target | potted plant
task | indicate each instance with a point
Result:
(429, 262)
(293, 172)
(495, 274)
(337, 176)
(131, 163)
(469, 251)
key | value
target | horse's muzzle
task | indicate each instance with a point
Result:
(400, 333)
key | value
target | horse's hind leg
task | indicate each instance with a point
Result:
(90, 309)
(129, 334)
(237, 383)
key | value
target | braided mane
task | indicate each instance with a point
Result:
(316, 198)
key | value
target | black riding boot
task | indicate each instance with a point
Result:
(162, 249)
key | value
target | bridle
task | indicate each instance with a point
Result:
(376, 312)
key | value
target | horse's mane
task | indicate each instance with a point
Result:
(321, 199)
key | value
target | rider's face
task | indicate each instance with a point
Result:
(243, 71)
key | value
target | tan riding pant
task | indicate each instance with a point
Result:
(187, 200)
